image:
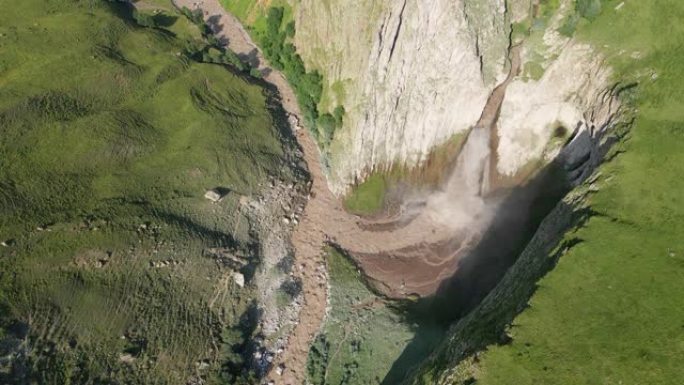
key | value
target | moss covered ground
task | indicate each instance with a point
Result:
(368, 198)
(110, 134)
(362, 336)
(378, 192)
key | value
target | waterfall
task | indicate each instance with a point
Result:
(468, 177)
(460, 202)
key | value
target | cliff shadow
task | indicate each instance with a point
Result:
(515, 222)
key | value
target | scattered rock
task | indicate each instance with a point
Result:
(101, 263)
(8, 243)
(239, 279)
(294, 121)
(280, 369)
(227, 257)
(244, 200)
(166, 263)
(43, 228)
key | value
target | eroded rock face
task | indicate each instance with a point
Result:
(411, 74)
(560, 99)
(414, 73)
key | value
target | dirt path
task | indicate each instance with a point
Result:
(418, 262)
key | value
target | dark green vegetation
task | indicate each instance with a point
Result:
(362, 335)
(368, 198)
(208, 50)
(273, 29)
(611, 310)
(585, 10)
(307, 85)
(377, 192)
(110, 134)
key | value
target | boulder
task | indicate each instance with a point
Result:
(214, 195)
(239, 279)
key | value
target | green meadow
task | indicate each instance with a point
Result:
(110, 134)
(611, 311)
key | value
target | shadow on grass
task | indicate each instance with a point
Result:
(516, 221)
(164, 20)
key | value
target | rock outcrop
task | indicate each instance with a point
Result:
(411, 74)
(417, 73)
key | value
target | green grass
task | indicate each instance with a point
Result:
(368, 197)
(109, 137)
(272, 26)
(362, 336)
(253, 14)
(610, 312)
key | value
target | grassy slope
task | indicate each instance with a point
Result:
(368, 197)
(253, 13)
(611, 312)
(104, 127)
(361, 337)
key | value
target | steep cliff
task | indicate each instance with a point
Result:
(413, 74)
(419, 72)
(605, 313)
(490, 322)
(410, 76)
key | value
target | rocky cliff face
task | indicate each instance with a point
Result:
(413, 73)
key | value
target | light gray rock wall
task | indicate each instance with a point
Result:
(411, 74)
(414, 73)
